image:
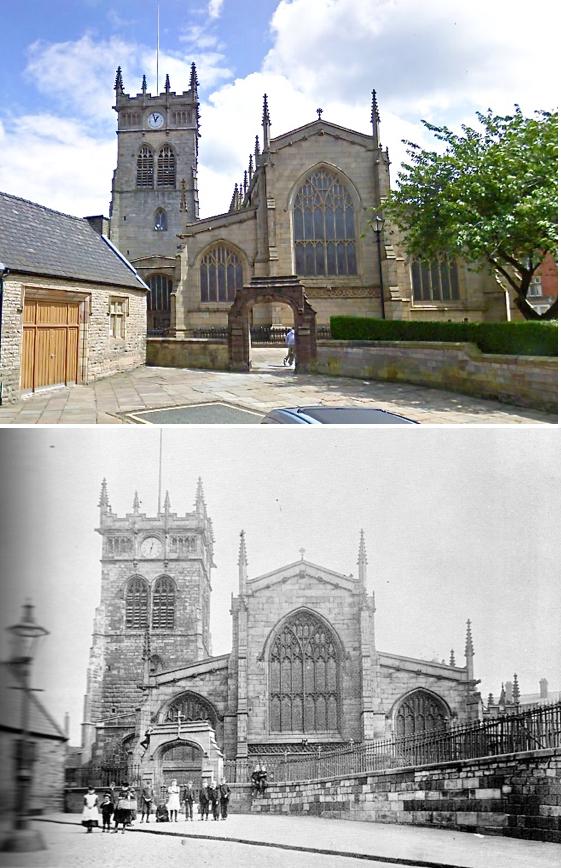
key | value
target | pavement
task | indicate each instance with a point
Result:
(276, 842)
(119, 398)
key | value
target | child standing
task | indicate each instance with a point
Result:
(90, 814)
(106, 812)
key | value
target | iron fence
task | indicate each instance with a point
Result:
(264, 335)
(532, 729)
(104, 775)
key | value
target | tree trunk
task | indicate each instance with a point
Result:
(529, 313)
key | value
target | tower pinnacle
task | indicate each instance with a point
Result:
(375, 120)
(362, 559)
(103, 504)
(167, 503)
(119, 81)
(469, 652)
(242, 564)
(200, 505)
(136, 503)
(266, 123)
(194, 81)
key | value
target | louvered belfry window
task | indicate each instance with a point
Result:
(136, 605)
(166, 167)
(221, 274)
(324, 227)
(303, 677)
(163, 605)
(145, 167)
(420, 712)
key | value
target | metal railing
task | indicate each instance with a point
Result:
(532, 729)
(259, 334)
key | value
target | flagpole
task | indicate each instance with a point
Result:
(160, 476)
(158, 54)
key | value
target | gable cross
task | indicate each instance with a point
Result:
(320, 112)
(302, 553)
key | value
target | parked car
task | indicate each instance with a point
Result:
(334, 416)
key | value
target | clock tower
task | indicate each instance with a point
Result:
(154, 610)
(155, 184)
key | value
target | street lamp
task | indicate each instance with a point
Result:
(27, 635)
(378, 225)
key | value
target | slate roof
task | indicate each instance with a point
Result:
(38, 240)
(40, 721)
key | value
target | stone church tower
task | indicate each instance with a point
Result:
(155, 183)
(154, 610)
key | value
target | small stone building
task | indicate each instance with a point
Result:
(304, 670)
(73, 309)
(49, 746)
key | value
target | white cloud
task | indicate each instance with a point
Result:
(215, 8)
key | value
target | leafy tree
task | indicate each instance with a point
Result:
(490, 196)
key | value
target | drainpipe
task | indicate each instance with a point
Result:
(3, 272)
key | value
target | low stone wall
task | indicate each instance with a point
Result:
(517, 795)
(187, 353)
(526, 381)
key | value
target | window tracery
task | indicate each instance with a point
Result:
(436, 280)
(420, 712)
(324, 227)
(145, 167)
(221, 274)
(136, 604)
(160, 221)
(163, 605)
(166, 167)
(303, 677)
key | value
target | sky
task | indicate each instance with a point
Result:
(459, 523)
(441, 60)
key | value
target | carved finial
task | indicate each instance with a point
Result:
(136, 503)
(183, 200)
(266, 113)
(257, 152)
(245, 182)
(144, 85)
(250, 170)
(362, 559)
(452, 657)
(302, 553)
(167, 503)
(375, 120)
(469, 641)
(104, 497)
(502, 697)
(242, 564)
(200, 505)
(194, 81)
(168, 85)
(319, 113)
(119, 81)
(490, 700)
(515, 690)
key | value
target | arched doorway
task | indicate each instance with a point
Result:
(271, 290)
(181, 760)
(418, 712)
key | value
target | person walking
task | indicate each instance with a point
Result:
(290, 341)
(224, 791)
(188, 798)
(214, 798)
(204, 799)
(90, 813)
(123, 811)
(173, 801)
(107, 809)
(146, 802)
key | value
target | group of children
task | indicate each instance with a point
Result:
(122, 804)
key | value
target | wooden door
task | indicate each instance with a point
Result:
(51, 331)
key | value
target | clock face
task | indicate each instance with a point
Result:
(155, 120)
(151, 547)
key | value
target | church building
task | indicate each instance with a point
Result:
(304, 671)
(303, 206)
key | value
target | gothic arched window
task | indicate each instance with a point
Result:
(163, 604)
(303, 676)
(160, 291)
(420, 712)
(160, 220)
(166, 167)
(324, 227)
(145, 167)
(436, 280)
(221, 274)
(136, 604)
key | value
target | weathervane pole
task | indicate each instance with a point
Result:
(160, 476)
(158, 54)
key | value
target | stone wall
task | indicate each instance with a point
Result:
(517, 795)
(47, 790)
(526, 381)
(187, 353)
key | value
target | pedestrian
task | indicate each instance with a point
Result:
(214, 798)
(255, 781)
(290, 341)
(204, 800)
(146, 802)
(123, 811)
(107, 809)
(173, 801)
(262, 779)
(224, 791)
(188, 797)
(90, 813)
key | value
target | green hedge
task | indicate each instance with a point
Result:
(512, 338)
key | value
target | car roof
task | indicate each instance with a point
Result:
(321, 415)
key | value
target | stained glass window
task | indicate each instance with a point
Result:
(324, 227)
(160, 291)
(420, 712)
(166, 167)
(136, 604)
(145, 167)
(303, 677)
(436, 280)
(221, 274)
(163, 605)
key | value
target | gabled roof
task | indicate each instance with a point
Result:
(40, 721)
(38, 240)
(310, 570)
(317, 128)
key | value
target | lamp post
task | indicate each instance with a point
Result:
(26, 634)
(378, 225)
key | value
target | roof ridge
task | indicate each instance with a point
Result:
(46, 208)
